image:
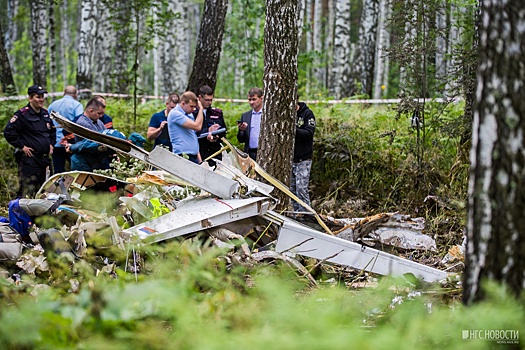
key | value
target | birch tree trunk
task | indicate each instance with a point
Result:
(383, 45)
(209, 45)
(174, 51)
(468, 81)
(409, 40)
(156, 66)
(86, 41)
(318, 69)
(301, 4)
(309, 41)
(341, 80)
(364, 61)
(442, 48)
(52, 48)
(39, 40)
(454, 42)
(329, 42)
(496, 224)
(276, 140)
(105, 42)
(12, 26)
(6, 76)
(64, 42)
(122, 20)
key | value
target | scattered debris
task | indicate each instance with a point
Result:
(182, 199)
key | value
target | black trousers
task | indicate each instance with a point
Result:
(31, 174)
(252, 152)
(60, 157)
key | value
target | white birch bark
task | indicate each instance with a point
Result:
(329, 43)
(12, 25)
(301, 4)
(64, 42)
(441, 42)
(341, 72)
(123, 55)
(318, 42)
(39, 21)
(367, 45)
(86, 40)
(383, 44)
(174, 51)
(156, 66)
(454, 40)
(52, 48)
(106, 41)
(495, 222)
(309, 41)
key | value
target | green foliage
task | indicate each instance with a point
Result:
(8, 166)
(245, 23)
(22, 66)
(191, 298)
(367, 153)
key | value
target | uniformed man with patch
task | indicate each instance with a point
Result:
(213, 120)
(31, 132)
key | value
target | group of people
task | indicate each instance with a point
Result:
(36, 137)
(189, 126)
(192, 128)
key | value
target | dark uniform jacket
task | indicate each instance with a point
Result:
(212, 116)
(31, 129)
(304, 134)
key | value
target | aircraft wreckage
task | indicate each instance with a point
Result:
(230, 200)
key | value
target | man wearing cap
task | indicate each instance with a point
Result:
(31, 132)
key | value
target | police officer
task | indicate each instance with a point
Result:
(31, 132)
(213, 120)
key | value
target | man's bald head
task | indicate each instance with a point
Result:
(71, 91)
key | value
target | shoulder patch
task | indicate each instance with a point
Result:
(217, 109)
(15, 117)
(24, 109)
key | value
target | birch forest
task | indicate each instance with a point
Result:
(346, 48)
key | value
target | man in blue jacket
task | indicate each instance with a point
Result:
(87, 155)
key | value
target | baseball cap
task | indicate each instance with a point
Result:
(36, 89)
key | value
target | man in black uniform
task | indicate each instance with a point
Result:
(302, 156)
(213, 120)
(31, 132)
